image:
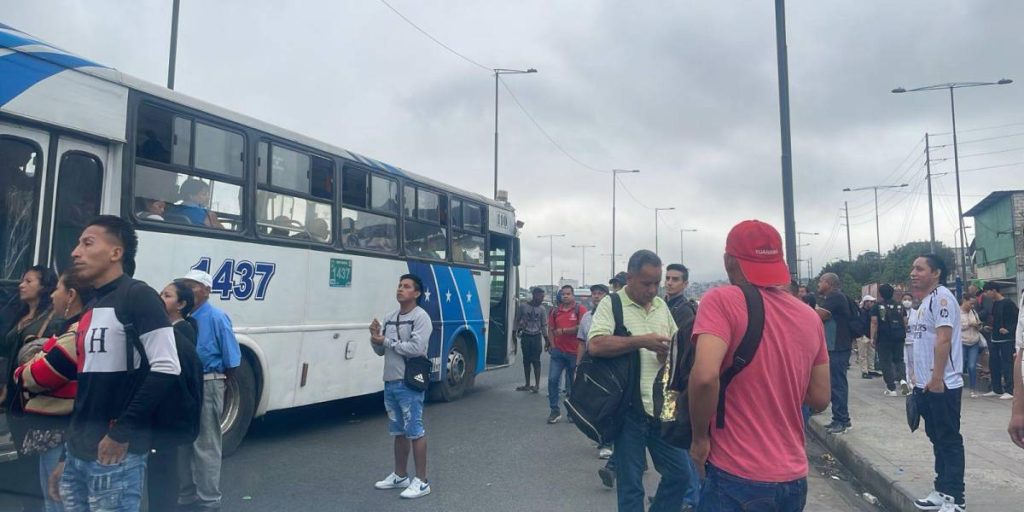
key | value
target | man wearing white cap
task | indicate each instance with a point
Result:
(865, 351)
(220, 355)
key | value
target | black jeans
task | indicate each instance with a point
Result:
(1000, 361)
(838, 363)
(890, 357)
(162, 480)
(941, 415)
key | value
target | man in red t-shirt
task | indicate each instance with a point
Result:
(563, 324)
(759, 453)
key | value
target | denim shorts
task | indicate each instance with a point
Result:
(88, 485)
(405, 410)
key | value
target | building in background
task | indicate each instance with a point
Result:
(998, 240)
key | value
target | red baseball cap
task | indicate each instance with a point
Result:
(758, 248)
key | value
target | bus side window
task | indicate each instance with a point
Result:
(20, 168)
(161, 136)
(369, 215)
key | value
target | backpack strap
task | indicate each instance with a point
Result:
(620, 324)
(748, 346)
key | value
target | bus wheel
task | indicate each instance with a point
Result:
(459, 375)
(239, 407)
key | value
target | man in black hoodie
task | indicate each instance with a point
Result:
(111, 427)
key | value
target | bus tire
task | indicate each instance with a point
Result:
(239, 407)
(459, 374)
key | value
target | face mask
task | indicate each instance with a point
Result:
(908, 304)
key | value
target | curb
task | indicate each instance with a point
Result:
(890, 491)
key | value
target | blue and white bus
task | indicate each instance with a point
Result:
(305, 241)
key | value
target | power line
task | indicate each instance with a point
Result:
(434, 39)
(551, 139)
(630, 194)
(973, 141)
(491, 70)
(984, 128)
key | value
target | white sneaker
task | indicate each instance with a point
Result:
(904, 387)
(974, 395)
(1006, 396)
(948, 505)
(417, 489)
(604, 453)
(991, 393)
(890, 393)
(393, 481)
(934, 501)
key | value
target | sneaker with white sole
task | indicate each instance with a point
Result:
(604, 453)
(904, 387)
(393, 481)
(417, 489)
(934, 501)
(890, 393)
(950, 505)
(991, 393)
(1006, 396)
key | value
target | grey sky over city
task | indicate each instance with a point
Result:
(684, 91)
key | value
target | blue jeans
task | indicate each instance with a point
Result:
(48, 461)
(679, 481)
(838, 363)
(971, 364)
(88, 486)
(405, 410)
(722, 492)
(560, 362)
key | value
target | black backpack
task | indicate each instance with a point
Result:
(856, 320)
(176, 417)
(679, 432)
(605, 388)
(890, 322)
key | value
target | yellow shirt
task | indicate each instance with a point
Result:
(639, 321)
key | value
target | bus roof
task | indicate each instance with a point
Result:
(26, 61)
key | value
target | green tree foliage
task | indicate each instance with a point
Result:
(893, 268)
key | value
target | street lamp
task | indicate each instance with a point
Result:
(615, 173)
(798, 246)
(956, 155)
(584, 248)
(551, 255)
(656, 210)
(878, 232)
(681, 254)
(497, 73)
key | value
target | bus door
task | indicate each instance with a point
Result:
(73, 197)
(499, 328)
(23, 152)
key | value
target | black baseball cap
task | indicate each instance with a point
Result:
(598, 286)
(536, 289)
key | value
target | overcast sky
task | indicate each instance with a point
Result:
(684, 91)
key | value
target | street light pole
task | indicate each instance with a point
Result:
(956, 155)
(551, 255)
(798, 246)
(849, 246)
(928, 176)
(497, 73)
(615, 173)
(878, 235)
(583, 282)
(682, 258)
(656, 210)
(787, 152)
(172, 62)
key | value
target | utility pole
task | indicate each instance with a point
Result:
(583, 282)
(174, 45)
(656, 210)
(787, 152)
(928, 176)
(849, 247)
(615, 174)
(551, 255)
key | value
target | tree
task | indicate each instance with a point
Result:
(893, 268)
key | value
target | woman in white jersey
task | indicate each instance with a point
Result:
(938, 360)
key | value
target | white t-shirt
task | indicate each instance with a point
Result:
(939, 309)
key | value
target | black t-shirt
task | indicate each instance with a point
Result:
(837, 304)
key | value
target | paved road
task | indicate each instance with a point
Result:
(491, 451)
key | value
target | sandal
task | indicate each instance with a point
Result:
(523, 388)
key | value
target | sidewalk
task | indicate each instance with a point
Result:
(897, 466)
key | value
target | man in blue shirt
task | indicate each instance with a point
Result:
(219, 352)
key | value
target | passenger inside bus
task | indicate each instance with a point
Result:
(194, 196)
(150, 209)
